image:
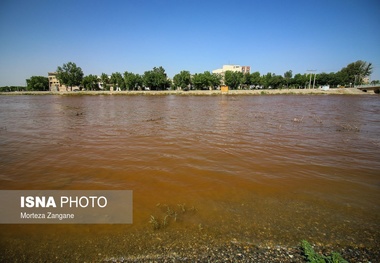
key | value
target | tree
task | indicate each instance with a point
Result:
(182, 79)
(288, 76)
(354, 72)
(300, 80)
(323, 79)
(215, 80)
(90, 82)
(198, 81)
(105, 80)
(233, 79)
(12, 88)
(156, 79)
(334, 79)
(255, 78)
(37, 83)
(277, 81)
(266, 80)
(246, 80)
(207, 77)
(206, 80)
(211, 80)
(117, 80)
(132, 81)
(70, 75)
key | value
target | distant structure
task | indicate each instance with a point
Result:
(366, 80)
(235, 68)
(246, 69)
(55, 85)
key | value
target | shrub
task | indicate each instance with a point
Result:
(313, 257)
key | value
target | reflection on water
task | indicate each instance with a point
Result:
(254, 168)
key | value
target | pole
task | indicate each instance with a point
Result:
(310, 81)
(312, 71)
(315, 74)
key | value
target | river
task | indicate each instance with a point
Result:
(268, 170)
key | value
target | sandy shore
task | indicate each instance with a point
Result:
(349, 91)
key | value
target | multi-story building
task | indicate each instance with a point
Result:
(246, 69)
(55, 85)
(235, 68)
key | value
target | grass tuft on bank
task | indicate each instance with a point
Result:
(313, 257)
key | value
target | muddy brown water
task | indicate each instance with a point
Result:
(267, 170)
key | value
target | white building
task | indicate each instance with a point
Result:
(234, 68)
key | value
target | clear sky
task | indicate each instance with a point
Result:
(136, 35)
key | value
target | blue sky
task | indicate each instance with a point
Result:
(116, 36)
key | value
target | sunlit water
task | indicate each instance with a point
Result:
(269, 170)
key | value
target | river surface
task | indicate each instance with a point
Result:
(267, 170)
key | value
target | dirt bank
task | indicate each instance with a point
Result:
(350, 91)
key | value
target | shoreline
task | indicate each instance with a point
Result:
(335, 91)
(204, 249)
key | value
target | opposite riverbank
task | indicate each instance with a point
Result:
(348, 91)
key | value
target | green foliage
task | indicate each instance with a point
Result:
(69, 74)
(132, 81)
(246, 80)
(198, 81)
(90, 82)
(355, 72)
(233, 79)
(288, 76)
(300, 80)
(206, 80)
(37, 83)
(12, 88)
(255, 78)
(271, 80)
(117, 80)
(211, 80)
(313, 257)
(215, 80)
(182, 79)
(156, 79)
(105, 80)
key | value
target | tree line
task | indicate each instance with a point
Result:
(156, 79)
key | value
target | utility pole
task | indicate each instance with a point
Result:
(312, 71)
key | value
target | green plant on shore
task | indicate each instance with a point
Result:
(170, 215)
(313, 257)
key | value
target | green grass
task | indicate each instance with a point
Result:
(313, 257)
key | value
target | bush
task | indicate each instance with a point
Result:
(313, 257)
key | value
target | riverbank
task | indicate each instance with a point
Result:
(176, 251)
(235, 252)
(348, 91)
(168, 245)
